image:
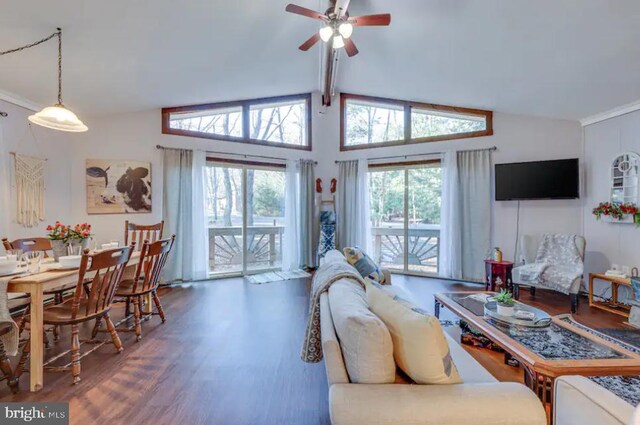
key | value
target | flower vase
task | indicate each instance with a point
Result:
(83, 243)
(59, 248)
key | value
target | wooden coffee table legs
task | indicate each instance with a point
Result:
(540, 384)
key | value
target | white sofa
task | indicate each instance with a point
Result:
(580, 401)
(479, 400)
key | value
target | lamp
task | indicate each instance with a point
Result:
(338, 42)
(56, 117)
(326, 33)
(345, 29)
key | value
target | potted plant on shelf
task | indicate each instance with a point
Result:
(505, 303)
(59, 236)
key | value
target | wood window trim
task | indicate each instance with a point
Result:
(403, 164)
(242, 162)
(245, 105)
(407, 105)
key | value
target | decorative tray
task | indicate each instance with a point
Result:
(541, 320)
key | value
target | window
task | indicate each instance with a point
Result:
(373, 122)
(405, 202)
(244, 205)
(280, 121)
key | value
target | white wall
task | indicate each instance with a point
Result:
(50, 144)
(608, 243)
(518, 138)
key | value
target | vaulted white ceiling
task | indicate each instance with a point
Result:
(558, 58)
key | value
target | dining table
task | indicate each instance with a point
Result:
(35, 285)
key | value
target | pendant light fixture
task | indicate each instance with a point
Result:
(56, 117)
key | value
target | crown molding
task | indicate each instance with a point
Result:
(616, 112)
(19, 101)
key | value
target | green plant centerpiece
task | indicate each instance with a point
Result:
(505, 303)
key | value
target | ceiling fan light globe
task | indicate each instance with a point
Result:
(338, 42)
(345, 29)
(58, 117)
(326, 33)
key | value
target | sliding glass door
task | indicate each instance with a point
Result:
(245, 210)
(405, 202)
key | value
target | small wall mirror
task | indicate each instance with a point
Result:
(624, 178)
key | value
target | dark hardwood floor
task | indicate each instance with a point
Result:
(229, 354)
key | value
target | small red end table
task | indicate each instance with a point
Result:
(498, 274)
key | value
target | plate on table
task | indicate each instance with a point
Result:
(540, 320)
(13, 273)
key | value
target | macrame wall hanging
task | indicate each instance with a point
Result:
(29, 189)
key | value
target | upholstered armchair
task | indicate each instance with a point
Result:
(539, 253)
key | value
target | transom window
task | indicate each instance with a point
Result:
(279, 121)
(375, 122)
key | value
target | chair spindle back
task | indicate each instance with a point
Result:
(105, 270)
(139, 233)
(153, 256)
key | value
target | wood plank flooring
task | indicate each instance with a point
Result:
(229, 354)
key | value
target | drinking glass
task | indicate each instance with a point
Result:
(14, 255)
(33, 259)
(74, 250)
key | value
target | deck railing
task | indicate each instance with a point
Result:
(264, 248)
(423, 244)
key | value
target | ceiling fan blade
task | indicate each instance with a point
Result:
(310, 42)
(350, 47)
(370, 20)
(299, 10)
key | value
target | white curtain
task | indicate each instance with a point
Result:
(450, 237)
(352, 205)
(4, 186)
(309, 219)
(466, 214)
(185, 215)
(291, 246)
(199, 218)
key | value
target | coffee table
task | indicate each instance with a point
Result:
(544, 353)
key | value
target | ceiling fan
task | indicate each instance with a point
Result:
(338, 26)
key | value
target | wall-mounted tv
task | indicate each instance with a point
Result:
(557, 179)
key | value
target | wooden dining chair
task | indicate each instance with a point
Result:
(146, 279)
(6, 244)
(5, 365)
(141, 232)
(104, 270)
(30, 244)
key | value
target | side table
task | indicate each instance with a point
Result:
(498, 274)
(612, 306)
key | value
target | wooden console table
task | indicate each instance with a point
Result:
(613, 306)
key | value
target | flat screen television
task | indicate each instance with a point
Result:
(557, 179)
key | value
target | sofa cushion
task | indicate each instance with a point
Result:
(367, 268)
(365, 341)
(420, 348)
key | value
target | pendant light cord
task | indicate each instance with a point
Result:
(58, 34)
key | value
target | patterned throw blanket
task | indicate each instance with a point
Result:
(9, 340)
(326, 275)
(558, 263)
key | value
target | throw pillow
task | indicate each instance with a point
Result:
(420, 348)
(367, 268)
(365, 341)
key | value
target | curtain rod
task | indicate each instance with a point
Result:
(235, 154)
(492, 148)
